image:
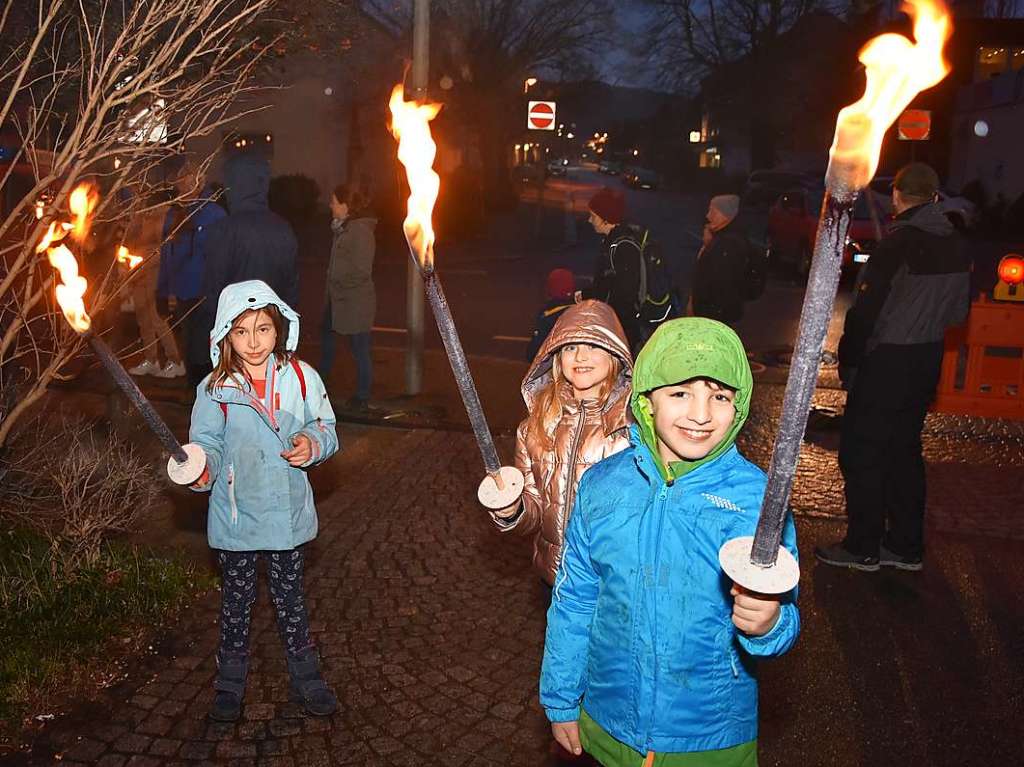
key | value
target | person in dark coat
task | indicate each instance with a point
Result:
(916, 285)
(183, 263)
(718, 278)
(252, 242)
(617, 272)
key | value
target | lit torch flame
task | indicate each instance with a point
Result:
(410, 124)
(82, 202)
(54, 234)
(124, 256)
(897, 70)
(69, 295)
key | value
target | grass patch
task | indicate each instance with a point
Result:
(56, 628)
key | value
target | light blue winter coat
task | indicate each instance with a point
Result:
(639, 629)
(258, 501)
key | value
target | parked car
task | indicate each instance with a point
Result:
(558, 166)
(641, 178)
(793, 226)
(764, 187)
(610, 167)
(959, 210)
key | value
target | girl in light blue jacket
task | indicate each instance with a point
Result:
(263, 418)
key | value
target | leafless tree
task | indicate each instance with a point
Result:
(487, 48)
(108, 91)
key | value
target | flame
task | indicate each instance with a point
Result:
(55, 233)
(897, 70)
(410, 124)
(69, 295)
(82, 202)
(124, 256)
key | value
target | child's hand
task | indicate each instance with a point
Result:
(203, 481)
(567, 735)
(753, 614)
(301, 453)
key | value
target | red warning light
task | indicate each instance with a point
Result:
(1011, 269)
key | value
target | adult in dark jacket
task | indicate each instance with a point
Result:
(718, 278)
(182, 267)
(915, 286)
(351, 296)
(252, 242)
(617, 272)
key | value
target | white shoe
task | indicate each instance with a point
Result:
(145, 368)
(170, 370)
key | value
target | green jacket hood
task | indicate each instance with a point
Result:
(680, 350)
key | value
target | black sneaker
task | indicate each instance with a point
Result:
(888, 558)
(838, 556)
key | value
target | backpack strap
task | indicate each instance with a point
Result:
(302, 378)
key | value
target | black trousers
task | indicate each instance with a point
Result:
(880, 448)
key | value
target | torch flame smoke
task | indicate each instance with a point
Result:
(82, 202)
(410, 124)
(124, 256)
(897, 70)
(69, 295)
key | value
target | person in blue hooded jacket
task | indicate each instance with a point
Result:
(651, 650)
(182, 265)
(263, 418)
(251, 242)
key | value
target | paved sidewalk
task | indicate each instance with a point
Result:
(431, 626)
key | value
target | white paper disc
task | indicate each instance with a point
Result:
(781, 577)
(188, 472)
(493, 498)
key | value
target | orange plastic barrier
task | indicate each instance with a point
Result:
(983, 364)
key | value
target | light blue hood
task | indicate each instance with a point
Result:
(240, 297)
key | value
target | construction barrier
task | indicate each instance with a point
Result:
(983, 363)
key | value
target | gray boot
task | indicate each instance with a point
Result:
(230, 686)
(307, 686)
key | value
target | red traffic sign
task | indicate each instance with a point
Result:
(541, 115)
(915, 125)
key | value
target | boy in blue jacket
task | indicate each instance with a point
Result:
(650, 650)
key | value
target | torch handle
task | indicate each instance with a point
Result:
(131, 389)
(819, 298)
(463, 377)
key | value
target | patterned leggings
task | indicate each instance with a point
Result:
(238, 595)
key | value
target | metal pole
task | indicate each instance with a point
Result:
(413, 281)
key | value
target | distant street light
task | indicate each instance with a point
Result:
(695, 137)
(529, 82)
(636, 152)
(570, 135)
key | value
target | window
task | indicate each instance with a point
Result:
(1017, 59)
(710, 158)
(991, 62)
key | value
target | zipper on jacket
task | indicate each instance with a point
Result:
(570, 485)
(231, 494)
(656, 576)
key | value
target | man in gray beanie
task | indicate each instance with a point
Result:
(718, 279)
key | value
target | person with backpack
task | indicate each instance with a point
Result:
(630, 273)
(263, 418)
(720, 284)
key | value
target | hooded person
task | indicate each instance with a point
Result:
(641, 561)
(577, 395)
(263, 418)
(719, 287)
(251, 242)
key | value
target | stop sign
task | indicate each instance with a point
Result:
(915, 125)
(541, 115)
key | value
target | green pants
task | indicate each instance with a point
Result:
(611, 753)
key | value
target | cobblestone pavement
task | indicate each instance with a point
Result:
(431, 627)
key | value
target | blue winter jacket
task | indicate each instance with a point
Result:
(639, 630)
(259, 501)
(183, 258)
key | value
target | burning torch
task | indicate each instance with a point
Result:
(187, 462)
(410, 124)
(897, 70)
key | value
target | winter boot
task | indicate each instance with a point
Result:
(307, 686)
(230, 686)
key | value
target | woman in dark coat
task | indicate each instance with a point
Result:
(351, 298)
